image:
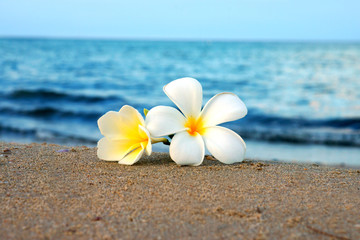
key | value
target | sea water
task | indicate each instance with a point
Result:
(303, 98)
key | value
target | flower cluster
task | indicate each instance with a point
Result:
(191, 129)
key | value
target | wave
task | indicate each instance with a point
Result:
(48, 112)
(326, 136)
(251, 120)
(39, 135)
(256, 125)
(46, 94)
(278, 121)
(344, 132)
(303, 136)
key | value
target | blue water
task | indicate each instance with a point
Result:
(298, 94)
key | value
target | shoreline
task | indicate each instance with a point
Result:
(74, 195)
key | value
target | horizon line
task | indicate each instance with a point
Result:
(174, 39)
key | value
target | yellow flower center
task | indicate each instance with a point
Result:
(195, 125)
(144, 139)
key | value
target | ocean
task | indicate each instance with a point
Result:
(303, 98)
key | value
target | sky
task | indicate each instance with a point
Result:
(182, 19)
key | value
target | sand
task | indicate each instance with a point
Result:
(45, 194)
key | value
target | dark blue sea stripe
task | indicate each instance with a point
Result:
(46, 94)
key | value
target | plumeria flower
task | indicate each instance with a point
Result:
(126, 138)
(195, 128)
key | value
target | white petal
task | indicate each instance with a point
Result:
(186, 149)
(186, 93)
(226, 146)
(148, 148)
(132, 157)
(163, 121)
(115, 150)
(146, 134)
(131, 117)
(121, 125)
(223, 107)
(110, 125)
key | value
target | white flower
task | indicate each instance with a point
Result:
(195, 128)
(126, 138)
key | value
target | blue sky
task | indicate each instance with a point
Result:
(183, 19)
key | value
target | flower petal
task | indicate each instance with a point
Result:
(121, 125)
(131, 118)
(148, 148)
(132, 157)
(147, 144)
(186, 93)
(223, 107)
(186, 149)
(115, 150)
(226, 146)
(163, 121)
(110, 125)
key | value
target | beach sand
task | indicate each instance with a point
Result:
(45, 194)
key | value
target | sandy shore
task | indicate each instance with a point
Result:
(45, 194)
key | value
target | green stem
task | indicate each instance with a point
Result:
(157, 140)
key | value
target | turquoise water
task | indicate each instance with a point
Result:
(298, 94)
